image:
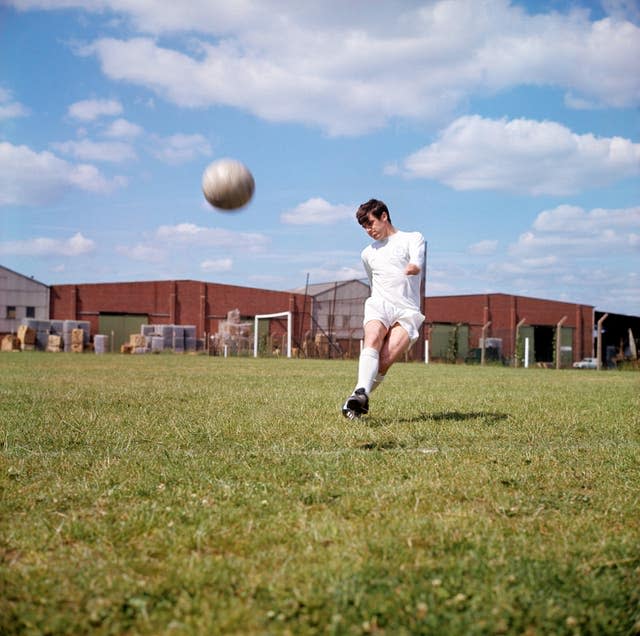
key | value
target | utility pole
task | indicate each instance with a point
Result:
(515, 344)
(559, 341)
(484, 342)
(599, 343)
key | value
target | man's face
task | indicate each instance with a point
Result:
(376, 228)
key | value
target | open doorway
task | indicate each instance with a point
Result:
(543, 336)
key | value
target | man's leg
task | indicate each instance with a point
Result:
(375, 333)
(377, 381)
(393, 349)
(358, 402)
(395, 345)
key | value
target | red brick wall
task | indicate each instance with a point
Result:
(506, 311)
(183, 302)
(205, 305)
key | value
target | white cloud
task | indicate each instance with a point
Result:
(123, 129)
(604, 286)
(28, 177)
(87, 177)
(141, 252)
(87, 150)
(217, 265)
(12, 110)
(527, 267)
(578, 103)
(522, 155)
(180, 148)
(333, 66)
(317, 211)
(567, 253)
(482, 248)
(575, 220)
(623, 9)
(572, 231)
(191, 235)
(267, 281)
(9, 108)
(77, 245)
(92, 109)
(325, 274)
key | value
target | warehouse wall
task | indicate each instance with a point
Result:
(206, 305)
(21, 297)
(505, 311)
(183, 302)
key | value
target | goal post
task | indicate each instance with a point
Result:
(282, 314)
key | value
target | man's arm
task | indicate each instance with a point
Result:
(367, 268)
(416, 255)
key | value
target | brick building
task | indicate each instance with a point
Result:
(456, 325)
(120, 308)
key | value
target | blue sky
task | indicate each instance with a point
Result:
(506, 132)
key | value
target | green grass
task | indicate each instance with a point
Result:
(193, 495)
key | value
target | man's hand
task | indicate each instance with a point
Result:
(412, 269)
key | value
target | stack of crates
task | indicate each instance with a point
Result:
(40, 338)
(81, 339)
(27, 338)
(190, 340)
(100, 343)
(53, 335)
(177, 338)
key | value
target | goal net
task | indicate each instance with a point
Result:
(265, 336)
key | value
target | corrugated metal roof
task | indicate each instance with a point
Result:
(29, 278)
(320, 288)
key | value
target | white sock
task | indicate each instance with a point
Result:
(377, 381)
(367, 368)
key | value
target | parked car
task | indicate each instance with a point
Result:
(586, 363)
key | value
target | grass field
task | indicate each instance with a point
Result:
(192, 495)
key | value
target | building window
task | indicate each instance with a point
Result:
(30, 312)
(11, 311)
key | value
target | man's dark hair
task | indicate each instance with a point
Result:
(372, 206)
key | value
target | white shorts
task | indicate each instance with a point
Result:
(388, 314)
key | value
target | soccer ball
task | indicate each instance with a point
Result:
(227, 184)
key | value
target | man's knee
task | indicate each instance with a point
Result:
(375, 333)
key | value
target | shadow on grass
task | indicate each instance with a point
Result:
(458, 416)
(446, 416)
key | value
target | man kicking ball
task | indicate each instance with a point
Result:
(392, 316)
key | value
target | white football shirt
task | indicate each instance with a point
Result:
(385, 262)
